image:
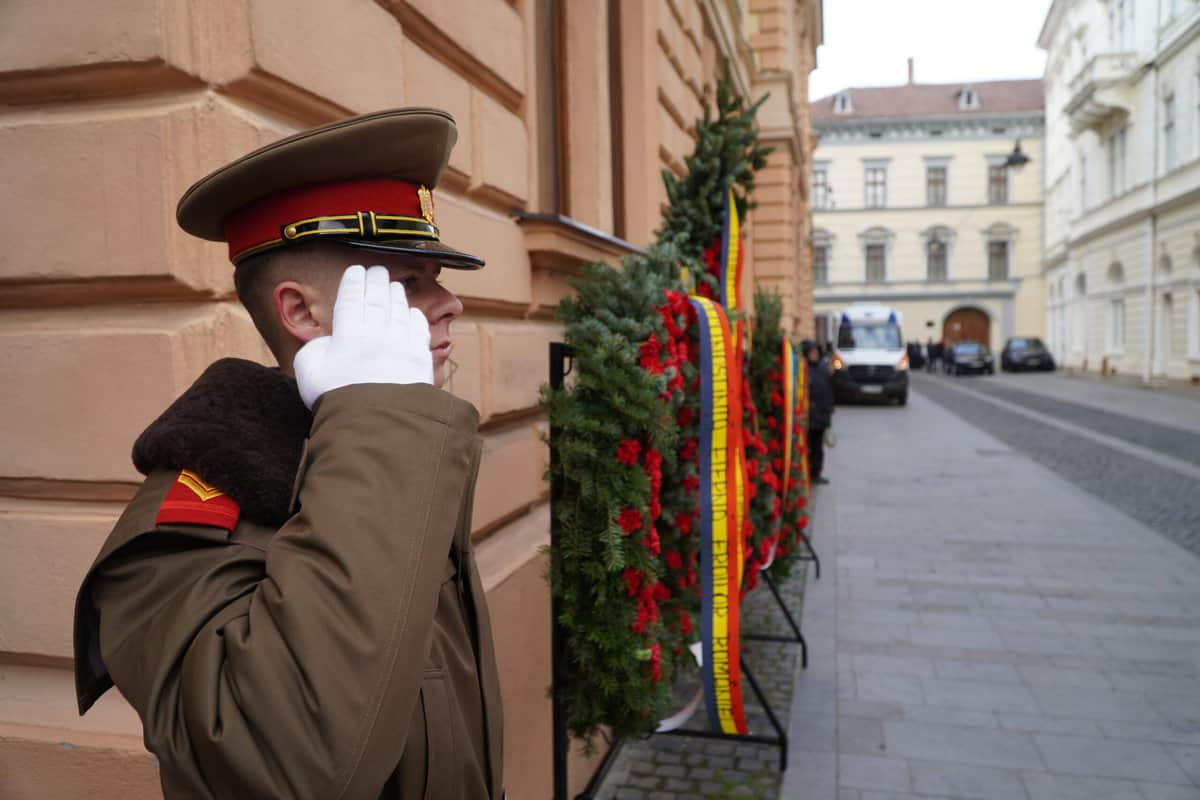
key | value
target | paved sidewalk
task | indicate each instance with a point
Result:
(990, 630)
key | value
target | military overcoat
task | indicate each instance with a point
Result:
(308, 622)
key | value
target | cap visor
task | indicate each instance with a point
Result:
(422, 248)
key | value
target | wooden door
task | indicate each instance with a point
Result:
(967, 325)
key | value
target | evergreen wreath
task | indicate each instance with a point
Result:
(627, 439)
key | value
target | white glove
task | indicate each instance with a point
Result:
(376, 338)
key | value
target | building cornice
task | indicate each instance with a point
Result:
(1025, 124)
(936, 210)
(865, 292)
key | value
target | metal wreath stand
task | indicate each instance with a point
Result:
(560, 366)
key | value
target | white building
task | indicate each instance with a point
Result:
(1121, 257)
(914, 208)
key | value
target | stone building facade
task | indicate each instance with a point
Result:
(1122, 182)
(914, 208)
(567, 112)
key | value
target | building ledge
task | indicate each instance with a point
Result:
(561, 244)
(1100, 92)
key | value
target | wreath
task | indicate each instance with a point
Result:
(626, 434)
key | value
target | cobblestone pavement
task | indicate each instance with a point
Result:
(1162, 497)
(676, 767)
(985, 628)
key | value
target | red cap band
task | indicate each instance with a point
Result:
(260, 224)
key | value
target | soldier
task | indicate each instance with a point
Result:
(290, 602)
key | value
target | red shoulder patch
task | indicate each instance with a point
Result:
(191, 501)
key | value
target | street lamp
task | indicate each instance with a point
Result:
(1016, 159)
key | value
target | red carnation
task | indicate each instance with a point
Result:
(684, 417)
(630, 520)
(683, 521)
(656, 662)
(652, 542)
(691, 483)
(628, 450)
(685, 623)
(633, 581)
(673, 559)
(688, 451)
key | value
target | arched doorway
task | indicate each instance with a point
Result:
(967, 324)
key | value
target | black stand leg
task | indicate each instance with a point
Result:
(560, 355)
(602, 771)
(780, 733)
(796, 637)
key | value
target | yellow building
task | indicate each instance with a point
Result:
(916, 206)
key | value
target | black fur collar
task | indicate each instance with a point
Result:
(241, 427)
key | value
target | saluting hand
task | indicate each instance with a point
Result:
(376, 338)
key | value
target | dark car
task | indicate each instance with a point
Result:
(1025, 353)
(968, 357)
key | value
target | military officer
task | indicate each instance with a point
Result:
(290, 602)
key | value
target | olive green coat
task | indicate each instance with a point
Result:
(344, 654)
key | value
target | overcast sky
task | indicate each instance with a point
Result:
(868, 42)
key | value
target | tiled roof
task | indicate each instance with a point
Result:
(932, 100)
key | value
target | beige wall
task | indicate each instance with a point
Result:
(108, 311)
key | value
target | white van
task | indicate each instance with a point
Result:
(869, 359)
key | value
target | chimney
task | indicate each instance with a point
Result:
(910, 71)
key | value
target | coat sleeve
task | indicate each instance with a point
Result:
(296, 675)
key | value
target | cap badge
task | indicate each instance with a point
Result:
(426, 198)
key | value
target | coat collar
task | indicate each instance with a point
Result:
(242, 427)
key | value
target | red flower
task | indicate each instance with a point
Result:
(685, 623)
(656, 662)
(691, 483)
(772, 423)
(627, 451)
(651, 542)
(630, 520)
(688, 451)
(684, 417)
(655, 508)
(683, 521)
(673, 559)
(777, 464)
(660, 592)
(633, 581)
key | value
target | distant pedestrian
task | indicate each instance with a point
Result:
(933, 352)
(820, 410)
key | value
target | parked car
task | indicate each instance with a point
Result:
(1025, 353)
(968, 357)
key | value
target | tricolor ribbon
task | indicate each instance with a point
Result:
(789, 412)
(721, 491)
(731, 261)
(800, 368)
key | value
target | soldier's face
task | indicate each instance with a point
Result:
(420, 278)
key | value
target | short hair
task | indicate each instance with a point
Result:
(255, 279)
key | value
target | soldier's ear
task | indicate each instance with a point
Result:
(301, 311)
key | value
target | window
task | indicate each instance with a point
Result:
(1116, 326)
(876, 187)
(1120, 25)
(997, 261)
(876, 263)
(821, 265)
(1083, 187)
(935, 185)
(842, 104)
(1169, 132)
(935, 258)
(820, 188)
(1116, 163)
(968, 99)
(997, 185)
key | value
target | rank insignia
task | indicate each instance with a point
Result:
(426, 198)
(192, 501)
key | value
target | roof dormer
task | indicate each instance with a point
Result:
(842, 104)
(968, 99)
